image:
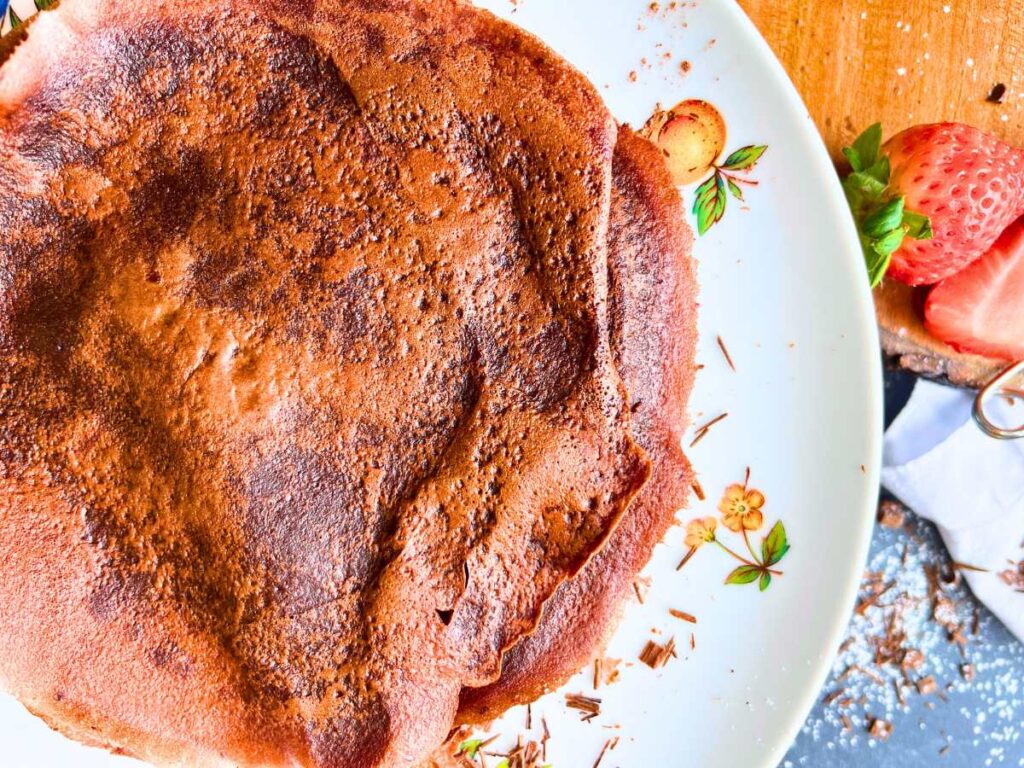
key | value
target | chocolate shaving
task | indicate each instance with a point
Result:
(966, 567)
(702, 431)
(698, 489)
(588, 705)
(683, 616)
(725, 353)
(686, 558)
(655, 655)
(872, 599)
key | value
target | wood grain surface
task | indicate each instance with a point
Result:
(900, 61)
(903, 62)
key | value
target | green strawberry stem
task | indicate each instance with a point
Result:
(883, 221)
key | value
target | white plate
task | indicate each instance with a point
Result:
(783, 284)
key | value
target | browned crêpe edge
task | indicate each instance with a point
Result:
(654, 334)
(310, 399)
(908, 345)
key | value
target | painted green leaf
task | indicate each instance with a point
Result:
(15, 19)
(775, 545)
(744, 574)
(709, 203)
(744, 157)
(766, 580)
(735, 189)
(42, 5)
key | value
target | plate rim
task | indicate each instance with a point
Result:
(823, 174)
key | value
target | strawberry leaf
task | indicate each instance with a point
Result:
(744, 574)
(887, 244)
(918, 226)
(877, 264)
(884, 220)
(766, 580)
(853, 158)
(880, 171)
(42, 5)
(15, 19)
(866, 147)
(744, 158)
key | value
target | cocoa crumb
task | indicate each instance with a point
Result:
(944, 612)
(832, 696)
(880, 729)
(891, 514)
(912, 659)
(996, 95)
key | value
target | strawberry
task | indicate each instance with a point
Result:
(981, 309)
(933, 199)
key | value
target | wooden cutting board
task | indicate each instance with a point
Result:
(903, 62)
(900, 61)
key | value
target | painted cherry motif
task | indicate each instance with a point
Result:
(692, 136)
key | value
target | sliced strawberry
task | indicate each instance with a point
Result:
(981, 309)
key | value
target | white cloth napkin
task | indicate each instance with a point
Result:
(941, 465)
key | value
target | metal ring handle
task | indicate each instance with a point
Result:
(992, 389)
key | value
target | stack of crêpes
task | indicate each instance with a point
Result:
(345, 350)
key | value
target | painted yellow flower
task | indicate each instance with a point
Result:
(741, 509)
(700, 531)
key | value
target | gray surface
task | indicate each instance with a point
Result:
(980, 723)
